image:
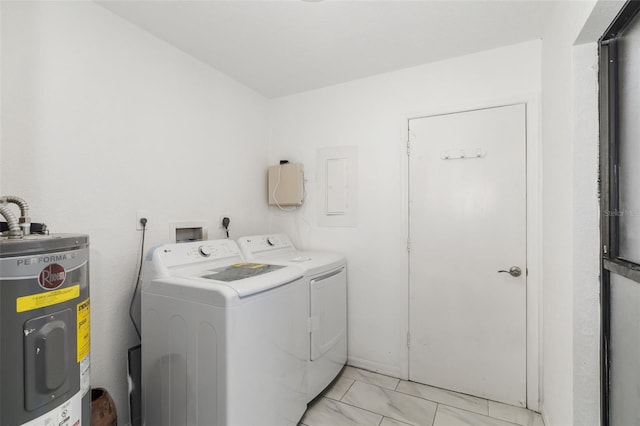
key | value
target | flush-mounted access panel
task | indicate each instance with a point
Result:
(337, 185)
(187, 231)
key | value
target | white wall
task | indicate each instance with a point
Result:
(586, 215)
(101, 119)
(569, 208)
(586, 238)
(371, 114)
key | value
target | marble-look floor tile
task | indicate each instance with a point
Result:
(389, 403)
(386, 421)
(338, 388)
(327, 412)
(517, 415)
(370, 377)
(454, 399)
(450, 416)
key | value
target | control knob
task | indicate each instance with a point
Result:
(205, 251)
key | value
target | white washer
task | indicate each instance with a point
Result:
(223, 342)
(326, 275)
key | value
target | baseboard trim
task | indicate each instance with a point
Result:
(387, 370)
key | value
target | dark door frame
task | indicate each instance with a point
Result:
(609, 188)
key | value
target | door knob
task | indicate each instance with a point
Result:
(514, 271)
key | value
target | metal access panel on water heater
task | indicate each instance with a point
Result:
(46, 349)
(45, 329)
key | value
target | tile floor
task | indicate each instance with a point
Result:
(360, 397)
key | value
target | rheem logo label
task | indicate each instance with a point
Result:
(52, 276)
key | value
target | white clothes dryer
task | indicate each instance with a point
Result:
(326, 275)
(223, 341)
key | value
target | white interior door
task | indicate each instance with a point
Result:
(467, 215)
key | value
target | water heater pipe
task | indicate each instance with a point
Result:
(25, 220)
(12, 221)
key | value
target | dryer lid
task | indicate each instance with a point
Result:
(312, 262)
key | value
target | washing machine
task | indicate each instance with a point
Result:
(326, 278)
(223, 340)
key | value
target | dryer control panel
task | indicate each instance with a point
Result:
(262, 244)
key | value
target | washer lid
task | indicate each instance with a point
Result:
(251, 278)
(239, 271)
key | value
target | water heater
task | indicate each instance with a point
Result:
(45, 330)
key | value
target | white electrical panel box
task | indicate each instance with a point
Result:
(337, 169)
(337, 186)
(286, 184)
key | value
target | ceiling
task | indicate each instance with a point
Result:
(284, 47)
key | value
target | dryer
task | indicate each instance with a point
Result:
(326, 276)
(223, 341)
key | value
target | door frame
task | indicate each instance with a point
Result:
(534, 225)
(611, 261)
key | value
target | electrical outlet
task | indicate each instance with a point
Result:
(139, 215)
(220, 220)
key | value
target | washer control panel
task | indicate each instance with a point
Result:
(205, 251)
(184, 253)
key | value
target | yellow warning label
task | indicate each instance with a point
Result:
(84, 329)
(40, 300)
(249, 265)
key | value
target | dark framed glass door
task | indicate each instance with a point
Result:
(620, 217)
